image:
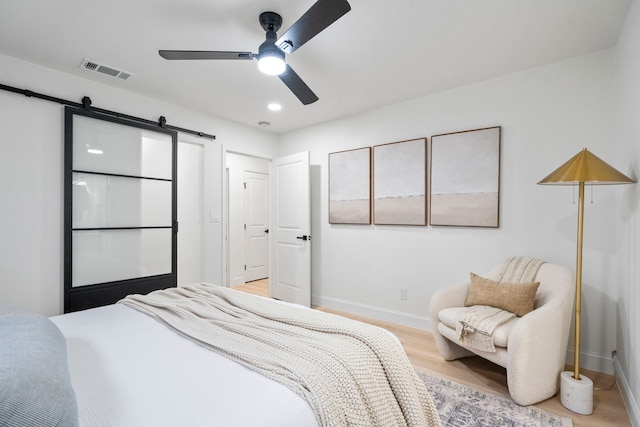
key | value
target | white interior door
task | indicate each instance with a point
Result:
(290, 278)
(256, 225)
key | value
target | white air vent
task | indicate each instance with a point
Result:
(96, 67)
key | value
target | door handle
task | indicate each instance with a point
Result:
(304, 237)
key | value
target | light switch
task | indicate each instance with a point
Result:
(214, 216)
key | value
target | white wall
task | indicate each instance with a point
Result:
(31, 175)
(628, 214)
(547, 115)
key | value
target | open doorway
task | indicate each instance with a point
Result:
(257, 287)
(248, 225)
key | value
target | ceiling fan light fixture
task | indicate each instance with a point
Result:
(271, 63)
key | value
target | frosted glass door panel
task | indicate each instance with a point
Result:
(106, 256)
(102, 146)
(110, 201)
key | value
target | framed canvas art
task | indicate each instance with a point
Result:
(399, 183)
(465, 178)
(350, 186)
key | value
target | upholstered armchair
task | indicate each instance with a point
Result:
(532, 348)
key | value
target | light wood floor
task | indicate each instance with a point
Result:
(420, 346)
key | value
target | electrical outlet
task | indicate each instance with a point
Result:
(403, 294)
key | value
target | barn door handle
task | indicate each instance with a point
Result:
(304, 237)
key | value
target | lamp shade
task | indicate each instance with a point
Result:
(587, 168)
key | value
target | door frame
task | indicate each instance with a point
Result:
(256, 232)
(232, 277)
(213, 231)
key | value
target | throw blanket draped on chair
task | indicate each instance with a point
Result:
(479, 322)
(350, 373)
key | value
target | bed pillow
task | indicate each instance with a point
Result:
(518, 298)
(35, 387)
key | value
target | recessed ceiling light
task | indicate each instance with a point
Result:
(274, 106)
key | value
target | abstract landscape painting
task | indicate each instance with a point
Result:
(465, 178)
(350, 187)
(399, 183)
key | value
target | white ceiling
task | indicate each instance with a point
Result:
(379, 53)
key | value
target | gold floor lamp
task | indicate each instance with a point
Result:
(576, 391)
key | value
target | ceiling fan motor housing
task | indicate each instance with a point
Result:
(270, 21)
(269, 48)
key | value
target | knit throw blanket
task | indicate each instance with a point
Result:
(519, 270)
(350, 373)
(479, 322)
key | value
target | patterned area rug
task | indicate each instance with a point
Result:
(463, 406)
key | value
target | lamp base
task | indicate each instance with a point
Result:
(576, 395)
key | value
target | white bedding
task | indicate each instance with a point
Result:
(130, 370)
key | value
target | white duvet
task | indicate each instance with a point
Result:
(129, 370)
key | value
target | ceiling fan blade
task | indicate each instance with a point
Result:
(322, 14)
(204, 54)
(297, 86)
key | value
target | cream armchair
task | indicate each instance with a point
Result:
(532, 348)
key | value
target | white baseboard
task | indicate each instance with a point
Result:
(398, 317)
(592, 361)
(629, 399)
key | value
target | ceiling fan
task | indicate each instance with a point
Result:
(271, 52)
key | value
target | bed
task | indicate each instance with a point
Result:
(129, 364)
